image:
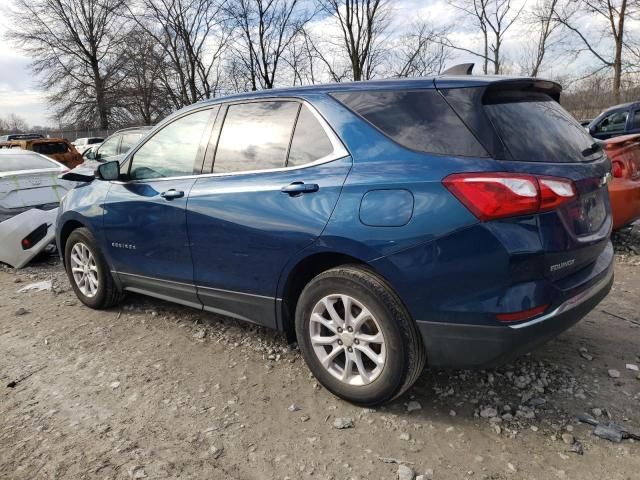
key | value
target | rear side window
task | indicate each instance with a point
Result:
(310, 142)
(11, 163)
(255, 136)
(535, 128)
(94, 140)
(50, 148)
(420, 120)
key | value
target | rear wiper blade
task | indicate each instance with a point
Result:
(594, 148)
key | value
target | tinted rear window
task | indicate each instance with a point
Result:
(50, 148)
(420, 120)
(535, 128)
(11, 163)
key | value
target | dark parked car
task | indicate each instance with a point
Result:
(20, 136)
(117, 144)
(384, 225)
(619, 120)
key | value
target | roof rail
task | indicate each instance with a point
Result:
(460, 69)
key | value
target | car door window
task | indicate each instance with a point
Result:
(614, 122)
(110, 147)
(172, 151)
(128, 141)
(255, 136)
(310, 141)
(636, 120)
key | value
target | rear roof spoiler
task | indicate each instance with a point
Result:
(460, 69)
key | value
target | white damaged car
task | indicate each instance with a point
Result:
(30, 192)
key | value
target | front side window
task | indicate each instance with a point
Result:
(636, 120)
(310, 142)
(173, 151)
(110, 147)
(614, 122)
(255, 136)
(128, 141)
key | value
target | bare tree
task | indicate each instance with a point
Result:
(613, 14)
(142, 94)
(544, 28)
(493, 18)
(269, 29)
(420, 52)
(193, 36)
(13, 123)
(72, 44)
(362, 24)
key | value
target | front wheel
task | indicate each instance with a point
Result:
(88, 271)
(357, 337)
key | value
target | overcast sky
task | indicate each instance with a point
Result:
(20, 93)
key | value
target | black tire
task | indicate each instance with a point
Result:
(405, 354)
(107, 293)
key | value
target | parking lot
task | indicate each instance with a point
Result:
(154, 390)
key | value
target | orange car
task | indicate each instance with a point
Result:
(624, 189)
(57, 148)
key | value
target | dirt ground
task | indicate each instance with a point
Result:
(154, 390)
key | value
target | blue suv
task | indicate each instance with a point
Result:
(385, 225)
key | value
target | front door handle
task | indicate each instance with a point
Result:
(298, 188)
(171, 194)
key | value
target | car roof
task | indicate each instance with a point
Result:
(131, 129)
(441, 81)
(622, 105)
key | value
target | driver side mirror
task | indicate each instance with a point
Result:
(108, 171)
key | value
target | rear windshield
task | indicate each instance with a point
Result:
(50, 148)
(11, 163)
(420, 120)
(535, 128)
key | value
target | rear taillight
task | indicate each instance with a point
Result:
(498, 195)
(34, 237)
(617, 169)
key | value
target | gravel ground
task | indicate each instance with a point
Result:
(154, 390)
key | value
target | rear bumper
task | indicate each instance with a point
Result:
(479, 346)
(625, 201)
(12, 232)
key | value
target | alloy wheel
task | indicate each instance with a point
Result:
(84, 270)
(347, 339)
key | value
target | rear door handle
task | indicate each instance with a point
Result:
(171, 194)
(298, 188)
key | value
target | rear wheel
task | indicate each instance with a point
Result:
(88, 271)
(357, 337)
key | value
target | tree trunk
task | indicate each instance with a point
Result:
(100, 99)
(617, 60)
